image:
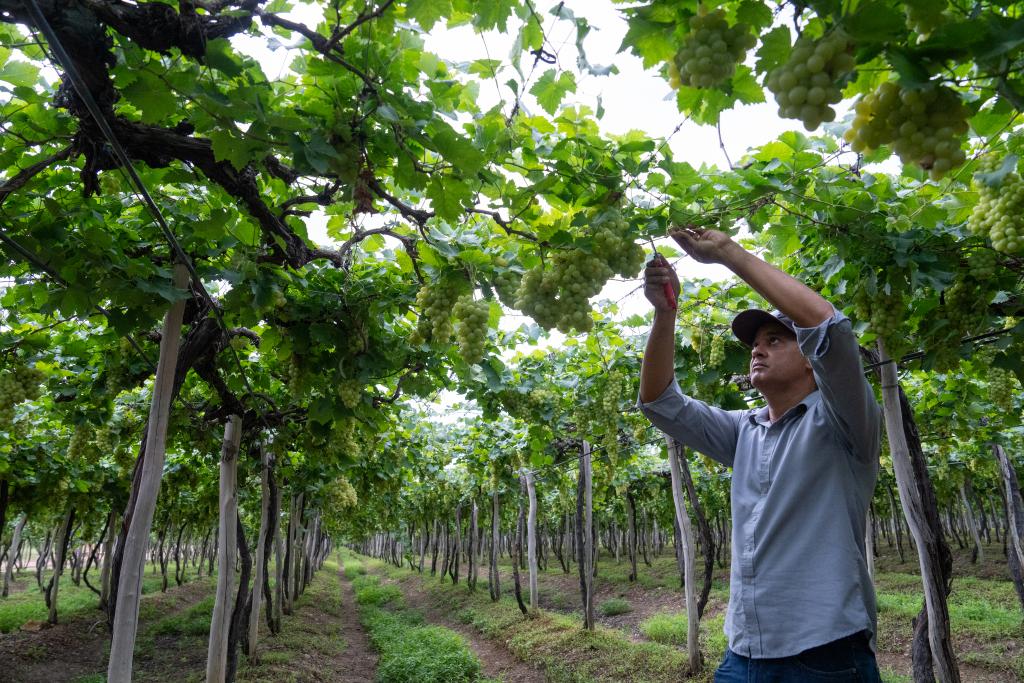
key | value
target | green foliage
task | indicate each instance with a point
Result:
(411, 652)
(370, 591)
(669, 629)
(614, 606)
(195, 621)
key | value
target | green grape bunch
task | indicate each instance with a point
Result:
(471, 327)
(810, 81)
(982, 264)
(925, 126)
(559, 296)
(961, 306)
(1001, 385)
(924, 16)
(611, 243)
(711, 51)
(717, 353)
(506, 284)
(295, 376)
(883, 312)
(351, 392)
(436, 301)
(999, 213)
(18, 383)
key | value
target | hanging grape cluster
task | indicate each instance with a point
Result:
(525, 404)
(80, 445)
(436, 301)
(717, 354)
(711, 51)
(982, 264)
(810, 81)
(925, 126)
(964, 309)
(924, 16)
(116, 367)
(883, 312)
(697, 339)
(18, 383)
(471, 327)
(350, 391)
(1001, 385)
(506, 284)
(999, 213)
(295, 376)
(560, 295)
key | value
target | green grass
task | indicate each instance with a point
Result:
(551, 641)
(410, 651)
(353, 568)
(90, 678)
(978, 608)
(30, 605)
(667, 628)
(370, 591)
(195, 621)
(614, 606)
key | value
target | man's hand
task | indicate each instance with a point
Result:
(657, 273)
(703, 245)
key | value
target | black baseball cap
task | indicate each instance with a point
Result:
(746, 324)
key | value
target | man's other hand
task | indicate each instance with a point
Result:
(657, 273)
(703, 245)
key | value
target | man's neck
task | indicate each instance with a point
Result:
(780, 402)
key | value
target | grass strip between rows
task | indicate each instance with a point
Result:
(410, 650)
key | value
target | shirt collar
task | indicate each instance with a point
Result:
(759, 416)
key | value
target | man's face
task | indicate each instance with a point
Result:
(775, 359)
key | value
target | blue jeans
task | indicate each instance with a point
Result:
(847, 660)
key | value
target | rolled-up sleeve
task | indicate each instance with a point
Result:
(834, 355)
(704, 428)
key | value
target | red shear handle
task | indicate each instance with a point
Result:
(670, 294)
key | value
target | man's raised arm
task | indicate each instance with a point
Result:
(658, 367)
(797, 301)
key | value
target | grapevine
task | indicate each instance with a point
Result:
(711, 51)
(925, 126)
(808, 84)
(999, 213)
(471, 327)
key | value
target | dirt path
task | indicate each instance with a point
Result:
(359, 655)
(495, 659)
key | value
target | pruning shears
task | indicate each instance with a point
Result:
(670, 293)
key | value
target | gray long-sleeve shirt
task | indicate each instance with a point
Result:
(800, 494)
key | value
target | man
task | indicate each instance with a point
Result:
(801, 603)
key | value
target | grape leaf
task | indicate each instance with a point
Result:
(551, 88)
